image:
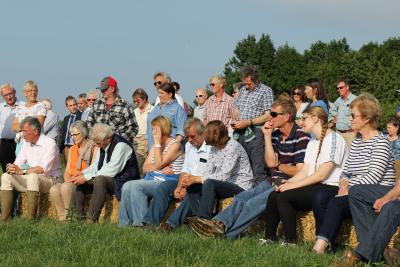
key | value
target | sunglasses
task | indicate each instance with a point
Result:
(157, 83)
(212, 84)
(295, 93)
(340, 87)
(275, 114)
(91, 99)
(199, 95)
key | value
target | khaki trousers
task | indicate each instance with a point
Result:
(60, 195)
(28, 182)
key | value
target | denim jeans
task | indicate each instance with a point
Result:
(134, 201)
(160, 202)
(374, 230)
(247, 206)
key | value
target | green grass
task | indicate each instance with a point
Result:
(50, 243)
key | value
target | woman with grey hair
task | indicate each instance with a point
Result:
(80, 156)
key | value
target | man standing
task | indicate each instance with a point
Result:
(74, 115)
(42, 156)
(284, 154)
(340, 111)
(83, 107)
(7, 135)
(114, 165)
(50, 126)
(159, 79)
(114, 111)
(252, 108)
(201, 98)
(143, 108)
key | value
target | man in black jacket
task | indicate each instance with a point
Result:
(114, 165)
(74, 114)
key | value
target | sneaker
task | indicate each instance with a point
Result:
(265, 242)
(214, 227)
(392, 257)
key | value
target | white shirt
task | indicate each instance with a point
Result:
(44, 154)
(196, 159)
(177, 97)
(333, 149)
(7, 115)
(141, 118)
(119, 157)
(199, 112)
(85, 114)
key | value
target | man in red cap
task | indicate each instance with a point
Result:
(114, 111)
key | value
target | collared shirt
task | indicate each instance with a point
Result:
(43, 154)
(230, 164)
(290, 151)
(341, 110)
(196, 159)
(221, 110)
(7, 114)
(254, 103)
(50, 126)
(120, 117)
(178, 98)
(176, 115)
(141, 118)
(68, 137)
(85, 114)
(118, 160)
(199, 112)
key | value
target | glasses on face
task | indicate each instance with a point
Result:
(91, 99)
(104, 90)
(76, 134)
(341, 87)
(157, 83)
(31, 91)
(296, 93)
(353, 116)
(275, 114)
(198, 96)
(212, 84)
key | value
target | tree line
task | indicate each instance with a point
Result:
(374, 68)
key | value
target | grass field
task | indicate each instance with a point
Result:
(50, 243)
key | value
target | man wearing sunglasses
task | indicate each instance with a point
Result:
(340, 112)
(201, 98)
(253, 105)
(159, 79)
(114, 111)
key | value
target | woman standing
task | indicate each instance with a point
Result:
(323, 163)
(316, 93)
(300, 100)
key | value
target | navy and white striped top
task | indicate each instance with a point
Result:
(370, 162)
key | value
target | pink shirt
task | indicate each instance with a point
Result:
(219, 110)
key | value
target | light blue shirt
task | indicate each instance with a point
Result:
(176, 115)
(119, 157)
(321, 104)
(196, 159)
(7, 115)
(341, 110)
(50, 126)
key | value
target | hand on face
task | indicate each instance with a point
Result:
(157, 135)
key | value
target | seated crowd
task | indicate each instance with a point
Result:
(272, 157)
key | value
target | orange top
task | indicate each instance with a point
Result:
(73, 158)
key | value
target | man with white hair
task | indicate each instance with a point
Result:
(50, 126)
(201, 98)
(159, 79)
(42, 155)
(7, 135)
(114, 165)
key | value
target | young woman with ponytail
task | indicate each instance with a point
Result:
(323, 163)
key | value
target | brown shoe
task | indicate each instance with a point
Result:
(165, 227)
(392, 257)
(208, 228)
(347, 260)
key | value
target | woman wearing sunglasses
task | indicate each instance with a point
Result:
(369, 162)
(300, 100)
(316, 93)
(323, 163)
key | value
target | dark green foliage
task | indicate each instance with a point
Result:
(373, 68)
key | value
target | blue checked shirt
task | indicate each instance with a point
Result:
(341, 110)
(253, 104)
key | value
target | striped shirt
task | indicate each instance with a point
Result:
(176, 165)
(222, 110)
(370, 162)
(254, 103)
(290, 151)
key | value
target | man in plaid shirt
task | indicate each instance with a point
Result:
(114, 111)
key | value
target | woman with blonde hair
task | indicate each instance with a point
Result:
(369, 162)
(323, 163)
(80, 156)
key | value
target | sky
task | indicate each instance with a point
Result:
(67, 47)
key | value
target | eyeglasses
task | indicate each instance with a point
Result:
(341, 87)
(91, 99)
(73, 135)
(354, 115)
(295, 93)
(212, 84)
(199, 96)
(275, 114)
(157, 83)
(103, 90)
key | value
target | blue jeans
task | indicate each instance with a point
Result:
(134, 201)
(247, 206)
(374, 230)
(160, 202)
